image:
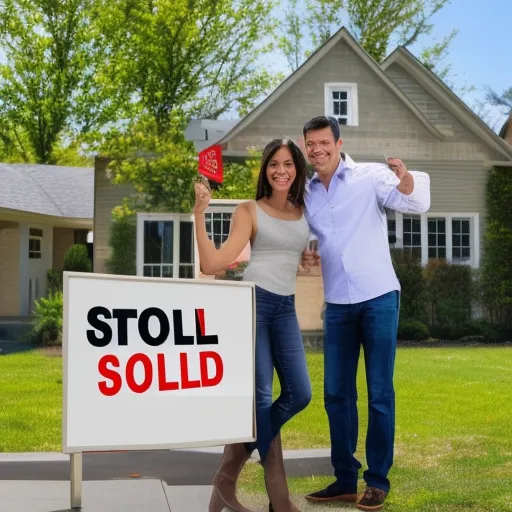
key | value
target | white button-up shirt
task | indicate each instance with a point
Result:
(349, 221)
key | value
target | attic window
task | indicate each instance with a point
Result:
(341, 103)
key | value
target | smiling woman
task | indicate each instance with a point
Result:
(278, 233)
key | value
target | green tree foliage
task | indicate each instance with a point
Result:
(378, 25)
(196, 56)
(160, 166)
(47, 80)
(497, 260)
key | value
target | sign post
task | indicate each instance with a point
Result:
(152, 364)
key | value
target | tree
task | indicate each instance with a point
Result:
(502, 101)
(160, 166)
(240, 180)
(48, 80)
(193, 56)
(376, 24)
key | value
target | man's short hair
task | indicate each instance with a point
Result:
(321, 122)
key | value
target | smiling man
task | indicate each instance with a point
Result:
(345, 209)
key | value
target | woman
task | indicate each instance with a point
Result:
(275, 226)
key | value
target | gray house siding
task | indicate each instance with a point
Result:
(456, 134)
(386, 124)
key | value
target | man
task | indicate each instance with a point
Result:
(345, 209)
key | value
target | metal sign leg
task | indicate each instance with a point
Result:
(76, 480)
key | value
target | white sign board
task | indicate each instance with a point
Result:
(156, 363)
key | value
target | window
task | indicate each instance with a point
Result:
(451, 236)
(217, 226)
(35, 239)
(165, 246)
(412, 235)
(461, 239)
(436, 238)
(341, 103)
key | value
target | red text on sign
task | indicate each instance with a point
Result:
(109, 367)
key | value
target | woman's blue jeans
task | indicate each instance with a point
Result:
(279, 345)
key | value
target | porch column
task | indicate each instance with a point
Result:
(23, 270)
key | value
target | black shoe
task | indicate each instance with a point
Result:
(333, 493)
(270, 507)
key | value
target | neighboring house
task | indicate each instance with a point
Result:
(506, 131)
(44, 210)
(398, 109)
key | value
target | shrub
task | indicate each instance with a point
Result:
(77, 259)
(412, 330)
(53, 281)
(497, 260)
(449, 291)
(123, 244)
(234, 272)
(48, 319)
(412, 296)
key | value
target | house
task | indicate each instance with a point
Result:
(398, 108)
(44, 210)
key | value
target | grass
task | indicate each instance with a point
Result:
(453, 448)
(453, 440)
(30, 402)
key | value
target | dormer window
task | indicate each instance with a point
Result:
(341, 103)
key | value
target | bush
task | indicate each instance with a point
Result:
(77, 259)
(449, 291)
(123, 243)
(412, 330)
(497, 260)
(53, 281)
(47, 328)
(410, 275)
(234, 272)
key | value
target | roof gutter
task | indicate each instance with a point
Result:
(501, 164)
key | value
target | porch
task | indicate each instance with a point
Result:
(29, 247)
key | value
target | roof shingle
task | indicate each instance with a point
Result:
(48, 190)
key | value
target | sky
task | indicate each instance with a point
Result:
(480, 54)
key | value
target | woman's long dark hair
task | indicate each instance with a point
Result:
(297, 190)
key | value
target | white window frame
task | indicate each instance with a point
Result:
(41, 242)
(474, 233)
(176, 218)
(352, 101)
(216, 206)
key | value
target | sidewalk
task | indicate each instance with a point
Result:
(170, 481)
(128, 496)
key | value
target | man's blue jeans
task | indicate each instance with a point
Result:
(372, 324)
(278, 344)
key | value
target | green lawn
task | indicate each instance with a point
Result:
(30, 402)
(454, 431)
(454, 425)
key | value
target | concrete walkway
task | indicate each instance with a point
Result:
(169, 481)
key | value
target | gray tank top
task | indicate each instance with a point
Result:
(276, 253)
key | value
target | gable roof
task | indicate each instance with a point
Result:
(48, 190)
(447, 98)
(342, 35)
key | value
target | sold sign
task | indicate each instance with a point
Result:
(152, 363)
(210, 163)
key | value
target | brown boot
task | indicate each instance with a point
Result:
(275, 479)
(224, 481)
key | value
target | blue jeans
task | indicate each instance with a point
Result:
(279, 345)
(372, 324)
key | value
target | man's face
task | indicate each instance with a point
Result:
(322, 151)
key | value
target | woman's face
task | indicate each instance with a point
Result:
(281, 170)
